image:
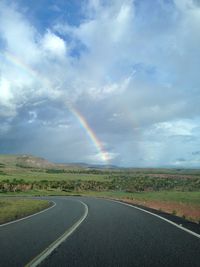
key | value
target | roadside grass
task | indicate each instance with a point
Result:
(39, 193)
(12, 208)
(172, 196)
(182, 204)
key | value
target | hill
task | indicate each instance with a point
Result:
(26, 161)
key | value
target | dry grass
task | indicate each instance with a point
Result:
(12, 209)
(187, 211)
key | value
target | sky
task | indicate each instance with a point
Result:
(101, 82)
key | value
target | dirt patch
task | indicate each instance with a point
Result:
(190, 212)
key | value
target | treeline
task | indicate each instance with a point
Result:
(71, 171)
(147, 183)
(126, 184)
(68, 186)
(15, 185)
(79, 171)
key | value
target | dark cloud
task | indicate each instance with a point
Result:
(196, 153)
(181, 159)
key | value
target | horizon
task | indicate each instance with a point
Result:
(101, 165)
(102, 82)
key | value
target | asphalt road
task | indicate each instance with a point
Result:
(111, 235)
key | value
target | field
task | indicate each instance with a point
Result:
(175, 191)
(12, 209)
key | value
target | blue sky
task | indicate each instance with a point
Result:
(130, 68)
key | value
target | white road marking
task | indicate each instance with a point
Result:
(44, 254)
(160, 217)
(29, 216)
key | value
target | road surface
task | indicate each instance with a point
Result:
(112, 234)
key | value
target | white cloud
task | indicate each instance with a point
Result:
(54, 45)
(19, 35)
(7, 106)
(103, 158)
(181, 127)
(6, 95)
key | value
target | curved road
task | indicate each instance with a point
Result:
(111, 235)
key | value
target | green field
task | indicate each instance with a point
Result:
(31, 176)
(12, 208)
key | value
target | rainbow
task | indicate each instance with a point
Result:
(93, 137)
(26, 68)
(104, 155)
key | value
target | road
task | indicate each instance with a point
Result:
(112, 234)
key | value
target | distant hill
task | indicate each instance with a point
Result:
(15, 162)
(25, 161)
(29, 161)
(33, 162)
(83, 165)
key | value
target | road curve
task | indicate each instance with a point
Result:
(20, 242)
(112, 235)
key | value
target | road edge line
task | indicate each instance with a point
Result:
(158, 216)
(29, 216)
(45, 253)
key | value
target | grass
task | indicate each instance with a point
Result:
(31, 176)
(38, 193)
(172, 196)
(12, 209)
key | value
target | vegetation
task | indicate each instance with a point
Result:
(12, 209)
(116, 183)
(28, 175)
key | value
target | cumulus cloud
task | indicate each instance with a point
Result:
(18, 35)
(54, 45)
